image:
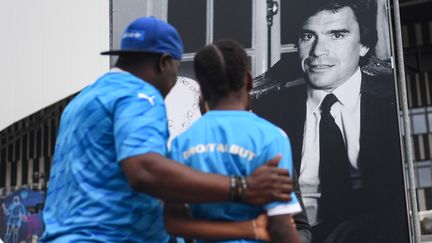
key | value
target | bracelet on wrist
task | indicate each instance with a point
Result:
(255, 229)
(238, 187)
(233, 184)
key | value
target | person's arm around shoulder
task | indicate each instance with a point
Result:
(178, 223)
(173, 182)
(281, 223)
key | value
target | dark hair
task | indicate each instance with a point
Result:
(125, 61)
(220, 68)
(365, 12)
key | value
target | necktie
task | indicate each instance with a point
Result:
(334, 168)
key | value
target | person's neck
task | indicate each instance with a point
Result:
(231, 102)
(142, 71)
(147, 74)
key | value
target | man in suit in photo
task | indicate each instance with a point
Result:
(343, 126)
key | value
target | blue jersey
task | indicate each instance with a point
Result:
(89, 198)
(233, 143)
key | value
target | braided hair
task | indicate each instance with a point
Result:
(220, 68)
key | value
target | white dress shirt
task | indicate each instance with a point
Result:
(347, 116)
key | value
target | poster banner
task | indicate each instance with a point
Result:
(182, 105)
(335, 97)
(21, 216)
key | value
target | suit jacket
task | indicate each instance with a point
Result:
(379, 157)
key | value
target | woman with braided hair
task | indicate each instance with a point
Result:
(232, 141)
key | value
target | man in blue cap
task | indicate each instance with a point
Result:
(109, 165)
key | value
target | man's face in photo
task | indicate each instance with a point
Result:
(329, 48)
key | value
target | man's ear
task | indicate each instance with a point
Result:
(363, 50)
(249, 81)
(163, 62)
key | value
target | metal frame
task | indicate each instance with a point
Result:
(403, 99)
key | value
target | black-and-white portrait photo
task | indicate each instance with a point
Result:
(335, 97)
(240, 121)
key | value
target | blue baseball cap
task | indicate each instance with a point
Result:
(150, 35)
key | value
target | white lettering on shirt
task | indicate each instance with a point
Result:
(233, 149)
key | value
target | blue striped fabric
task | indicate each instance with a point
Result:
(89, 198)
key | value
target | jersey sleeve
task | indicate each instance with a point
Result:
(140, 124)
(281, 145)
